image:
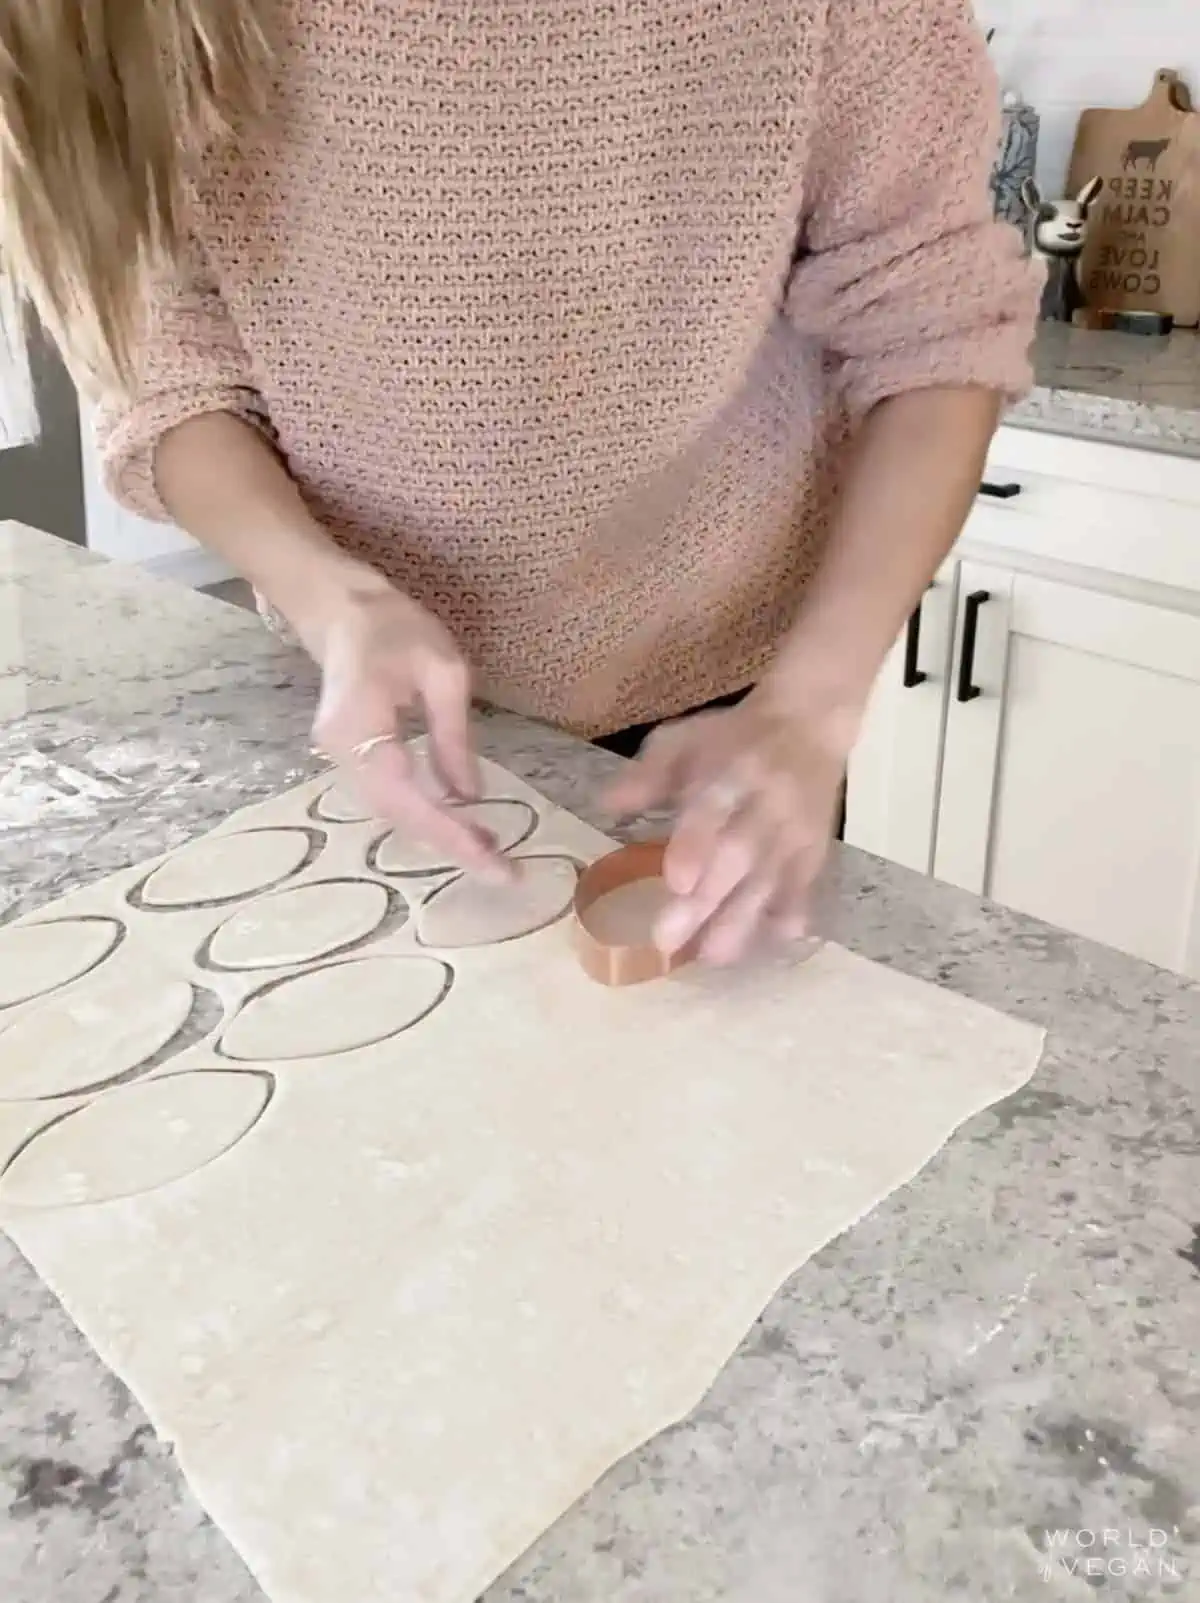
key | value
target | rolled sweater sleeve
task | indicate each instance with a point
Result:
(903, 274)
(190, 361)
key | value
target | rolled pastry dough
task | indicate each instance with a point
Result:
(498, 1225)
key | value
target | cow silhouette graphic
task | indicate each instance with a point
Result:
(1147, 150)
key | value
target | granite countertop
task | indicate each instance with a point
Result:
(1004, 1349)
(1126, 388)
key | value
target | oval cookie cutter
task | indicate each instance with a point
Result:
(611, 963)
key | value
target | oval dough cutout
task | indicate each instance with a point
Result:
(92, 1034)
(338, 805)
(37, 958)
(225, 867)
(470, 912)
(509, 822)
(299, 925)
(337, 1009)
(136, 1139)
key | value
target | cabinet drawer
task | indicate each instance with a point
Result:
(1124, 533)
(1100, 464)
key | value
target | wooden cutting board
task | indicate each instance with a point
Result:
(1143, 250)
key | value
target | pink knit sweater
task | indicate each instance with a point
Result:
(560, 312)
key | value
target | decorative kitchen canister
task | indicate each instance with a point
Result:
(1143, 246)
(1015, 161)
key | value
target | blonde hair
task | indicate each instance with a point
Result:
(103, 103)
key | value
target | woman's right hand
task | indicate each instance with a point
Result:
(383, 657)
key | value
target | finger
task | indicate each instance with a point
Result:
(713, 856)
(427, 775)
(822, 902)
(444, 687)
(805, 908)
(350, 715)
(736, 855)
(795, 911)
(739, 924)
(658, 773)
(386, 780)
(705, 819)
(791, 922)
(771, 905)
(789, 912)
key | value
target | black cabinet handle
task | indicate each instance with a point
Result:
(966, 662)
(912, 651)
(1000, 492)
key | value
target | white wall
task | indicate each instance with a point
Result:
(40, 481)
(1066, 55)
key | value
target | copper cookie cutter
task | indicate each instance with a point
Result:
(610, 963)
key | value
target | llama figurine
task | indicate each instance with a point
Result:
(1057, 234)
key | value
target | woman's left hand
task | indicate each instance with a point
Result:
(757, 787)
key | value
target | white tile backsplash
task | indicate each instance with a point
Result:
(1065, 55)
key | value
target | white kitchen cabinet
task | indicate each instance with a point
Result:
(1070, 783)
(892, 788)
(1052, 761)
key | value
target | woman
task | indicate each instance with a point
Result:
(608, 359)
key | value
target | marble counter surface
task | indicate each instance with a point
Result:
(1120, 387)
(1003, 1351)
